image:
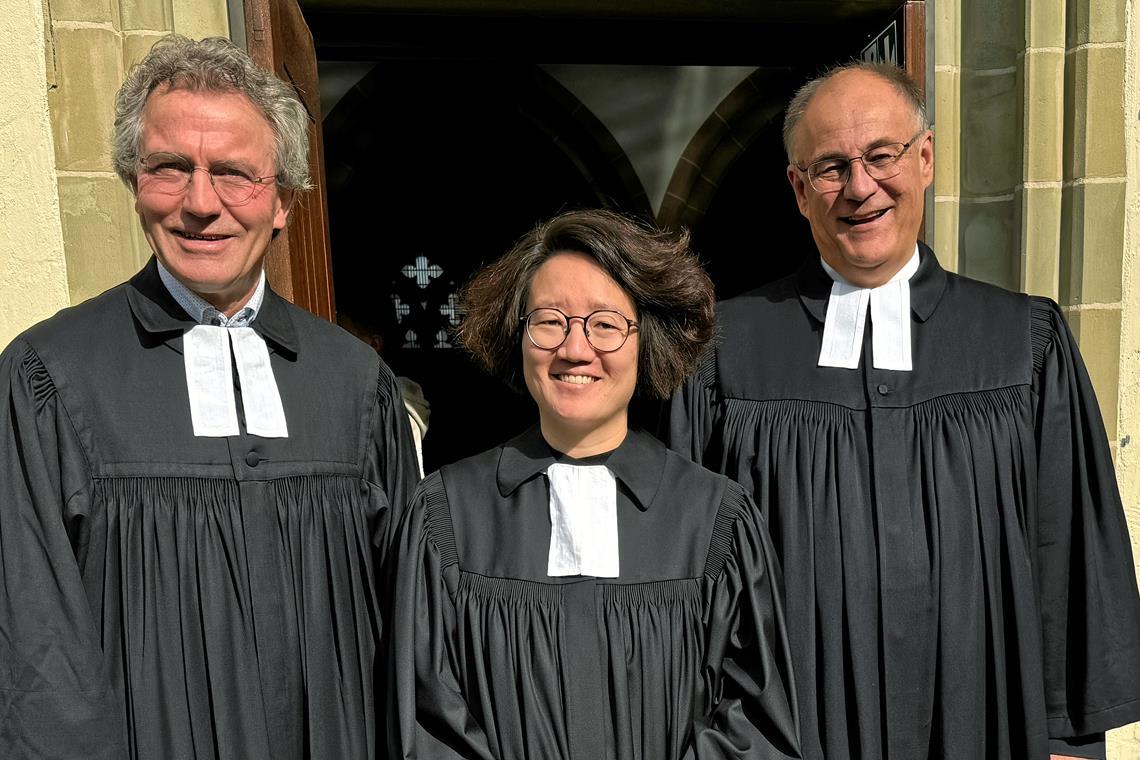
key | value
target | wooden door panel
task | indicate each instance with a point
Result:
(299, 264)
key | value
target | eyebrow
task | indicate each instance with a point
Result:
(167, 155)
(593, 306)
(225, 163)
(870, 146)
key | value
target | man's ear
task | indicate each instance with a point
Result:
(799, 187)
(926, 158)
(285, 200)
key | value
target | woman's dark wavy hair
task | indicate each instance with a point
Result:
(671, 292)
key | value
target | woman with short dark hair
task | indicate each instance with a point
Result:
(580, 591)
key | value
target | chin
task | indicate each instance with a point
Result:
(865, 258)
(574, 420)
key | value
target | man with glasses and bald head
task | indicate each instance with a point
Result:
(932, 462)
(197, 479)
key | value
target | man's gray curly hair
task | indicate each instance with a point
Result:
(215, 65)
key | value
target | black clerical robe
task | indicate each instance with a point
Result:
(683, 655)
(165, 596)
(958, 573)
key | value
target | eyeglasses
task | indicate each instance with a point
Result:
(828, 175)
(605, 330)
(171, 174)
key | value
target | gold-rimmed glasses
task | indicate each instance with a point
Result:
(171, 174)
(829, 174)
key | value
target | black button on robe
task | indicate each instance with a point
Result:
(164, 596)
(958, 571)
(684, 655)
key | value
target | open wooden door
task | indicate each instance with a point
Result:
(903, 42)
(299, 264)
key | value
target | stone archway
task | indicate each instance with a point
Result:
(723, 138)
(729, 188)
(435, 167)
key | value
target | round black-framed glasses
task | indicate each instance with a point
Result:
(606, 330)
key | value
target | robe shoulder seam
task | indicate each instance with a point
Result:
(43, 390)
(707, 372)
(437, 520)
(385, 384)
(1042, 329)
(37, 377)
(733, 505)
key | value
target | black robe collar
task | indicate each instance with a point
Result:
(926, 285)
(637, 463)
(158, 313)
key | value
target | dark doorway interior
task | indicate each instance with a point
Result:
(752, 232)
(431, 173)
(456, 142)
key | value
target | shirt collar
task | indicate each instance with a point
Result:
(158, 312)
(638, 463)
(204, 312)
(926, 286)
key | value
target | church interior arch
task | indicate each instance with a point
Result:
(459, 129)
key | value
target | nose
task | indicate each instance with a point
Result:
(860, 185)
(576, 348)
(201, 199)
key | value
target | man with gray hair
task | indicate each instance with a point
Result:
(932, 462)
(197, 479)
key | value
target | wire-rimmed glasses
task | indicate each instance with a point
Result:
(830, 174)
(606, 330)
(171, 174)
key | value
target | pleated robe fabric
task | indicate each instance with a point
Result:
(169, 597)
(957, 563)
(683, 655)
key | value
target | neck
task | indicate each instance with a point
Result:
(584, 443)
(869, 277)
(228, 303)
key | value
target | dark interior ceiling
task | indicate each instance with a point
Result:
(676, 32)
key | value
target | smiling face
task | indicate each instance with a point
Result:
(582, 394)
(214, 249)
(867, 230)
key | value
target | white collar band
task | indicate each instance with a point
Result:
(843, 326)
(210, 384)
(583, 521)
(206, 351)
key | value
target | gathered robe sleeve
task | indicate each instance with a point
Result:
(56, 698)
(391, 455)
(692, 414)
(1090, 614)
(430, 718)
(748, 701)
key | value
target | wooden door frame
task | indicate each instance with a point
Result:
(299, 262)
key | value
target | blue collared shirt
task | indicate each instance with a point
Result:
(202, 311)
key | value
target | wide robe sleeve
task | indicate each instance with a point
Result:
(1090, 614)
(429, 719)
(748, 702)
(56, 699)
